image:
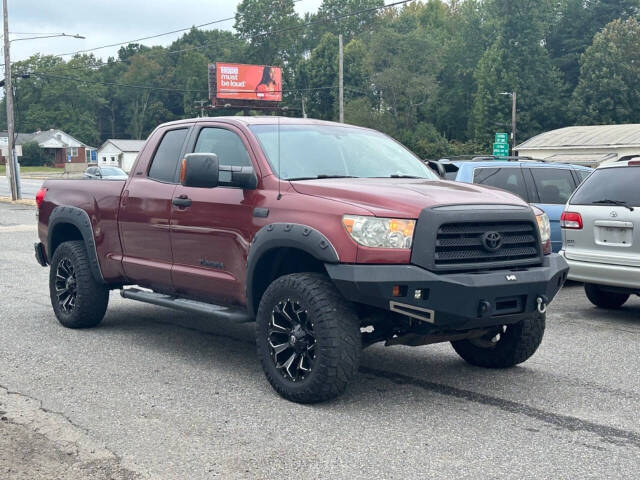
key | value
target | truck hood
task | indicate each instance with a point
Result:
(403, 198)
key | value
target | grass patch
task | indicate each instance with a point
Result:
(24, 169)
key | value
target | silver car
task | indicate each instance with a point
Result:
(601, 234)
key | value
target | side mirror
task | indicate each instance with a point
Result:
(437, 167)
(239, 177)
(200, 170)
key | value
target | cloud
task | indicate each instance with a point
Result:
(105, 22)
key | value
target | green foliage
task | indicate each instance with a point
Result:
(34, 156)
(517, 61)
(609, 88)
(429, 73)
(577, 21)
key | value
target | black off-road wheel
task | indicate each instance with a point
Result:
(603, 298)
(78, 300)
(308, 338)
(512, 345)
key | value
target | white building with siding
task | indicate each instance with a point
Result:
(119, 153)
(586, 145)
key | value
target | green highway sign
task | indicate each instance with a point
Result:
(502, 138)
(501, 149)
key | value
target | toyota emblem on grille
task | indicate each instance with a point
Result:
(613, 213)
(491, 241)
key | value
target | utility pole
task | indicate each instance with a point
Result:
(201, 103)
(340, 78)
(513, 122)
(11, 158)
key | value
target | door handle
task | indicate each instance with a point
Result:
(182, 201)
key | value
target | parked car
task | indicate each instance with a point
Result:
(601, 234)
(315, 230)
(105, 173)
(545, 185)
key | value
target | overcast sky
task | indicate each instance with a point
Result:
(111, 21)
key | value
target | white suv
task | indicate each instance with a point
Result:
(601, 234)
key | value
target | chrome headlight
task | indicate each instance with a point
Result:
(545, 232)
(380, 232)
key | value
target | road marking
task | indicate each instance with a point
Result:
(18, 228)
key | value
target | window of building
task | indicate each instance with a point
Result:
(72, 151)
(164, 165)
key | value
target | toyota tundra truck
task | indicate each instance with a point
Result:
(330, 237)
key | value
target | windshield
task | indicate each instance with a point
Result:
(610, 186)
(110, 172)
(320, 151)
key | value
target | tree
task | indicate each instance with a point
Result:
(405, 61)
(463, 44)
(268, 27)
(145, 105)
(517, 61)
(58, 94)
(609, 87)
(34, 156)
(577, 21)
(332, 17)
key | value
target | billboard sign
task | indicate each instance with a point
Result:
(235, 81)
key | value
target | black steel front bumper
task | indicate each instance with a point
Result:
(457, 301)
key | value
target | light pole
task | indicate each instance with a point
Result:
(12, 159)
(513, 119)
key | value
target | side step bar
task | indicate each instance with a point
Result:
(227, 313)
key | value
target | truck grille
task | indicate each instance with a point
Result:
(496, 243)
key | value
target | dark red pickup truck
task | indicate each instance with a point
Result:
(331, 237)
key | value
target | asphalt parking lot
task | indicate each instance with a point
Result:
(154, 393)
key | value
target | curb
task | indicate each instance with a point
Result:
(24, 201)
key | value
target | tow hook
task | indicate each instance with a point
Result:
(542, 303)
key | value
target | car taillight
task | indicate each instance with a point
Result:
(40, 196)
(634, 163)
(571, 220)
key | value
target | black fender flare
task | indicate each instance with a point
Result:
(79, 219)
(288, 235)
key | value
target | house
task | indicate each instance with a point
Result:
(66, 148)
(585, 145)
(119, 153)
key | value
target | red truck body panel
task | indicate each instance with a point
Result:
(201, 251)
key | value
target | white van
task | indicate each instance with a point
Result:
(601, 234)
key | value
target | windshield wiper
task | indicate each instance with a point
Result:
(607, 201)
(318, 177)
(399, 175)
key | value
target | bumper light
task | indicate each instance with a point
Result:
(380, 232)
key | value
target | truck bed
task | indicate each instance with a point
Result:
(100, 199)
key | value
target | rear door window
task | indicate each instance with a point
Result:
(507, 178)
(554, 185)
(615, 184)
(164, 165)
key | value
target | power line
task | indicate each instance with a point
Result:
(167, 89)
(251, 37)
(213, 22)
(46, 73)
